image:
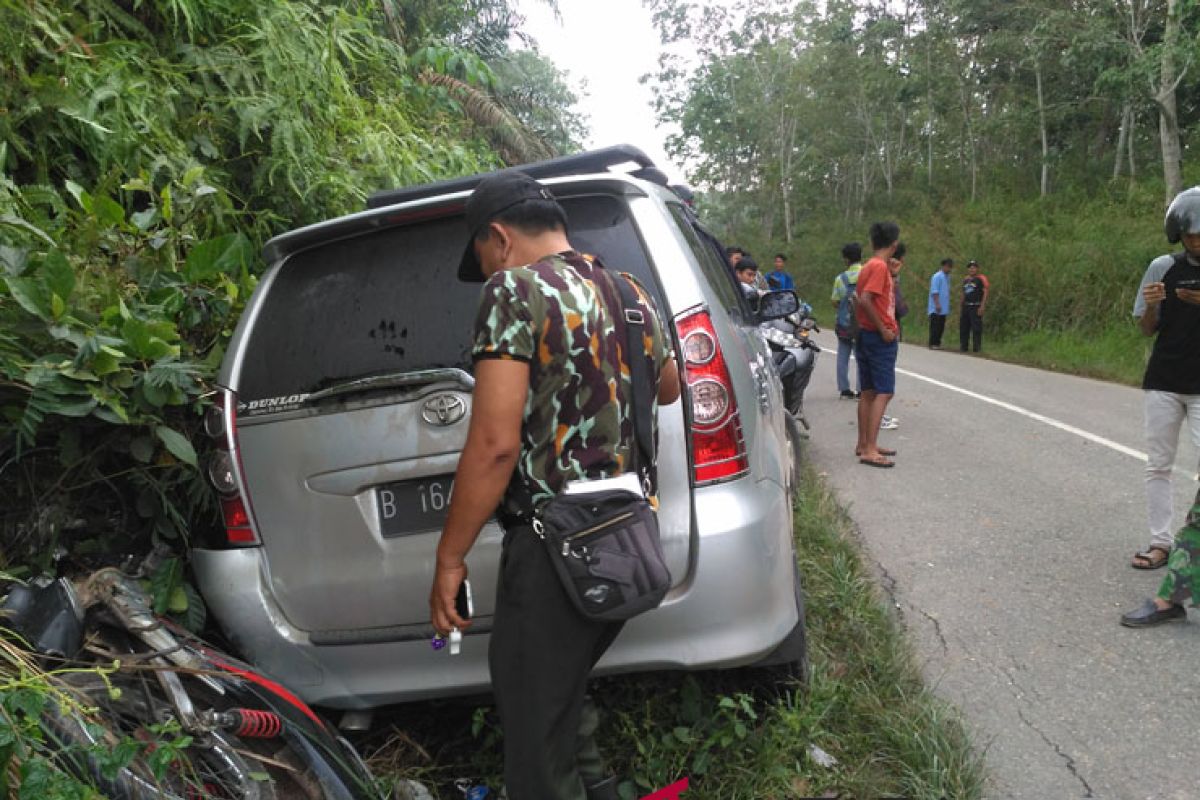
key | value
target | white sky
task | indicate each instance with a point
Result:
(608, 44)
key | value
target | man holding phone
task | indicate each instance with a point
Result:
(546, 413)
(1168, 308)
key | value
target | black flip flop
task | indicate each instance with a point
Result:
(882, 464)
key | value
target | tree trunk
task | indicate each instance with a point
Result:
(788, 143)
(1130, 147)
(969, 134)
(1041, 101)
(1168, 121)
(1121, 139)
(929, 111)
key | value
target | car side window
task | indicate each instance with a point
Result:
(716, 271)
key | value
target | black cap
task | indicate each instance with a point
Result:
(493, 195)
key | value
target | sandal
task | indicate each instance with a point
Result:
(883, 451)
(1147, 559)
(880, 462)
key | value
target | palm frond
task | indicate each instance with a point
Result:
(516, 142)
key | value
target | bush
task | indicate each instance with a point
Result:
(114, 323)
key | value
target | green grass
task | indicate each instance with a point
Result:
(1117, 354)
(727, 731)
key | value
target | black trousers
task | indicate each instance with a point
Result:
(937, 326)
(970, 326)
(541, 653)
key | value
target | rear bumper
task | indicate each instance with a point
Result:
(737, 604)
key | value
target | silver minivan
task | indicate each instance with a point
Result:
(345, 397)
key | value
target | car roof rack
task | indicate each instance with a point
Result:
(592, 161)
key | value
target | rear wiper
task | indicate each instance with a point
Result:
(395, 380)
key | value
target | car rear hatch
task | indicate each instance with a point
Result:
(353, 379)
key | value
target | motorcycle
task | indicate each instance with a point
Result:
(795, 356)
(131, 674)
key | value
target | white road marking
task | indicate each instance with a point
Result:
(1054, 423)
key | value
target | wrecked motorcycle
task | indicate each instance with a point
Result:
(133, 675)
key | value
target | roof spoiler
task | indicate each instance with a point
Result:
(592, 161)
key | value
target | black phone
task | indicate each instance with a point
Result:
(463, 603)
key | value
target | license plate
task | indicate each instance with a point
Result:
(418, 506)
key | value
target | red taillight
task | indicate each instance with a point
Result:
(718, 449)
(226, 472)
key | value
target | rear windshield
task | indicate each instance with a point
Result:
(391, 301)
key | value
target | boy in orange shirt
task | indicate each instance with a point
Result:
(877, 344)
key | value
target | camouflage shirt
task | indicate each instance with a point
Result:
(555, 316)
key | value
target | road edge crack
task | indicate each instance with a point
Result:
(1070, 762)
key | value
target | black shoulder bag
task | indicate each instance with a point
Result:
(604, 544)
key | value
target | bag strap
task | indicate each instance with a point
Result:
(643, 431)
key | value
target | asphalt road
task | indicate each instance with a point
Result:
(1003, 538)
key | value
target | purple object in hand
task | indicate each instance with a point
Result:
(437, 642)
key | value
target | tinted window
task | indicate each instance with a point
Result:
(600, 225)
(714, 266)
(391, 301)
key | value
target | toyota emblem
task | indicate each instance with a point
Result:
(444, 409)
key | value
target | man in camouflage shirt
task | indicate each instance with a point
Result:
(552, 403)
(1181, 583)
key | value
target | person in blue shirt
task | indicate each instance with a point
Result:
(778, 278)
(939, 303)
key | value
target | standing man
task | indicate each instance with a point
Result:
(939, 303)
(778, 278)
(545, 412)
(1168, 308)
(734, 254)
(845, 324)
(877, 344)
(974, 301)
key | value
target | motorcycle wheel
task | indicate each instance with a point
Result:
(214, 765)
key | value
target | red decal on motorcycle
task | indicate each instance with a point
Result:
(266, 683)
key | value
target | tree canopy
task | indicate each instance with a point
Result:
(798, 106)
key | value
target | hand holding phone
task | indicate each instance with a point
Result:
(464, 606)
(464, 603)
(1189, 296)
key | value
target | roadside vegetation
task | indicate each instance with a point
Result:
(146, 154)
(734, 734)
(1040, 138)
